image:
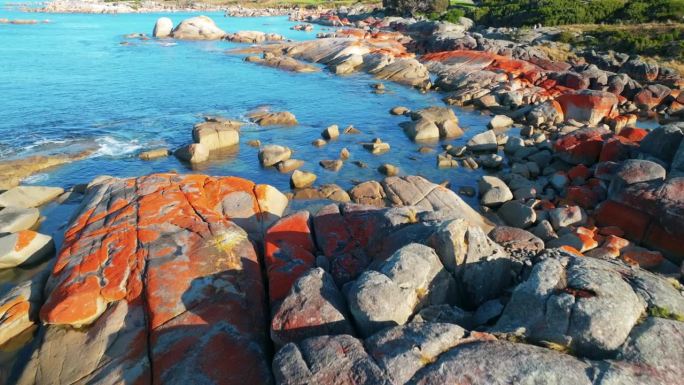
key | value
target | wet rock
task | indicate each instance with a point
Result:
(493, 191)
(319, 143)
(421, 130)
(332, 132)
(12, 172)
(517, 214)
(325, 360)
(517, 241)
(410, 279)
(271, 154)
(485, 141)
(377, 147)
(368, 193)
(14, 219)
(202, 293)
(402, 351)
(198, 28)
(443, 117)
(289, 165)
(302, 179)
(154, 154)
(314, 307)
(399, 110)
(332, 165)
(344, 154)
(578, 302)
(388, 169)
(481, 267)
(281, 118)
(216, 135)
(162, 28)
(193, 153)
(285, 63)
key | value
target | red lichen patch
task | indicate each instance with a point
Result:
(642, 257)
(634, 134)
(588, 106)
(611, 230)
(616, 149)
(582, 196)
(580, 147)
(579, 172)
(633, 222)
(289, 252)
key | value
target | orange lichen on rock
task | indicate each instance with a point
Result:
(172, 248)
(289, 252)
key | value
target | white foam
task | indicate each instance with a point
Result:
(36, 178)
(109, 146)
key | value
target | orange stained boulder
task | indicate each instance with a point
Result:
(289, 252)
(588, 105)
(168, 248)
(644, 258)
(634, 134)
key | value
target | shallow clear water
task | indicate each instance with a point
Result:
(71, 82)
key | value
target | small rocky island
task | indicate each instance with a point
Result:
(567, 271)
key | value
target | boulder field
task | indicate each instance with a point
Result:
(171, 278)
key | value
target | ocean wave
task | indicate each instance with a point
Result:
(110, 146)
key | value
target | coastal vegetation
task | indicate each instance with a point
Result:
(518, 13)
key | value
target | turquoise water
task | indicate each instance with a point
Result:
(70, 83)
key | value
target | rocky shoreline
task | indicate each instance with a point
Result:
(568, 272)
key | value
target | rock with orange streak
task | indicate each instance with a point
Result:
(19, 307)
(289, 252)
(166, 281)
(25, 247)
(582, 146)
(588, 106)
(644, 258)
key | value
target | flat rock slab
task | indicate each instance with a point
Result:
(168, 282)
(29, 196)
(13, 219)
(25, 247)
